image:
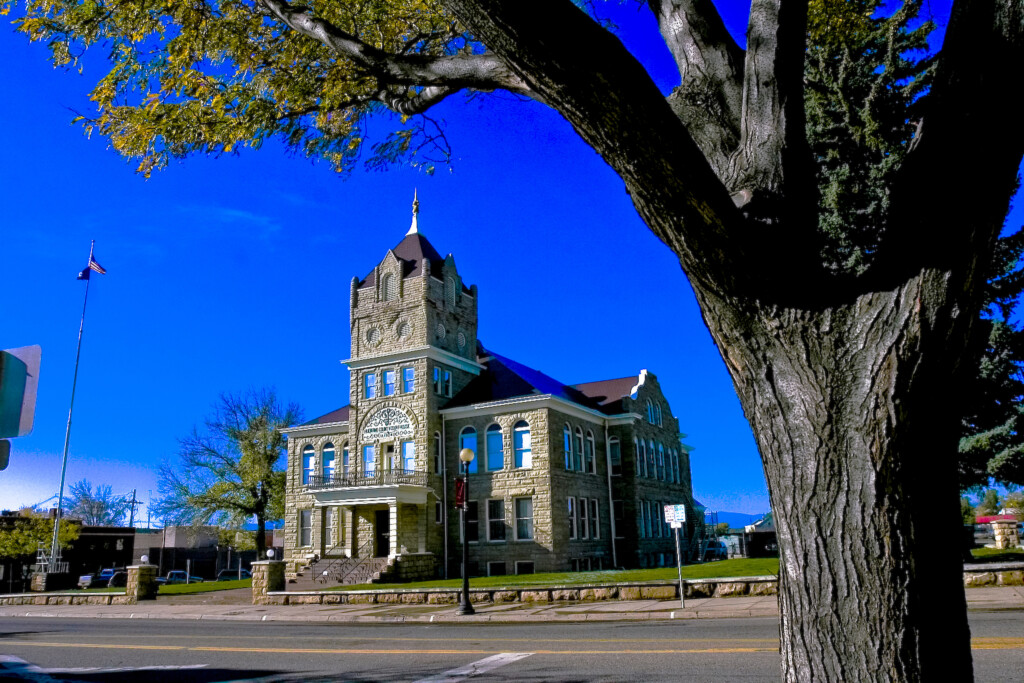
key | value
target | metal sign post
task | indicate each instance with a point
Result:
(675, 515)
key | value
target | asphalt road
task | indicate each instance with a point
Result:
(158, 651)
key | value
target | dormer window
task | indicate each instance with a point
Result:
(449, 292)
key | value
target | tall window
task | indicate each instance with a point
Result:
(328, 460)
(577, 455)
(595, 521)
(369, 461)
(449, 292)
(344, 460)
(675, 463)
(305, 527)
(370, 386)
(387, 287)
(641, 459)
(437, 452)
(661, 462)
(572, 518)
(524, 519)
(522, 445)
(408, 456)
(329, 523)
(567, 434)
(584, 515)
(408, 380)
(308, 463)
(496, 520)
(657, 414)
(650, 412)
(651, 468)
(615, 456)
(467, 439)
(472, 521)
(589, 461)
(643, 520)
(495, 448)
(389, 382)
(437, 381)
(447, 383)
(656, 516)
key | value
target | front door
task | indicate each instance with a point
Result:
(383, 533)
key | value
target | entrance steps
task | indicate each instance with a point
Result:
(342, 571)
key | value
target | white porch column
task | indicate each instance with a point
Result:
(421, 529)
(393, 540)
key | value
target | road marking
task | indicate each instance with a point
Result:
(476, 668)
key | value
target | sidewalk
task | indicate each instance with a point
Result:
(236, 607)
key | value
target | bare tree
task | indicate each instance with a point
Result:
(230, 472)
(97, 508)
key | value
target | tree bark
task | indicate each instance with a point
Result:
(853, 413)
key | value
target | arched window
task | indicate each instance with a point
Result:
(467, 439)
(449, 292)
(495, 448)
(652, 468)
(308, 463)
(344, 461)
(567, 435)
(641, 459)
(650, 412)
(328, 462)
(522, 445)
(661, 462)
(388, 290)
(589, 462)
(577, 456)
(657, 413)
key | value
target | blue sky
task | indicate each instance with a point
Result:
(232, 273)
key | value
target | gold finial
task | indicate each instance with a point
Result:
(414, 228)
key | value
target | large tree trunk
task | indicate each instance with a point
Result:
(854, 411)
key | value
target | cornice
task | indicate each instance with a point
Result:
(432, 352)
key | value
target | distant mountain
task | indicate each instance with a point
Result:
(737, 520)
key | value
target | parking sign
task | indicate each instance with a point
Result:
(675, 513)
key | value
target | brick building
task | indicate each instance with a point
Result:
(564, 478)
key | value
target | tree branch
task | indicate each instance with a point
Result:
(968, 117)
(585, 73)
(438, 76)
(709, 99)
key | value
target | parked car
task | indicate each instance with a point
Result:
(233, 574)
(716, 550)
(118, 580)
(178, 576)
(100, 579)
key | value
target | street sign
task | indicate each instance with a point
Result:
(676, 525)
(675, 513)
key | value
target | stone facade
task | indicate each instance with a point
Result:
(377, 477)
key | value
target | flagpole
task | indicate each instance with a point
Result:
(54, 547)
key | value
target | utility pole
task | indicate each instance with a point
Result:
(131, 515)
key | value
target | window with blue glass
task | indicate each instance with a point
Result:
(308, 463)
(589, 462)
(328, 462)
(495, 448)
(577, 456)
(522, 445)
(567, 435)
(344, 460)
(369, 461)
(467, 439)
(370, 386)
(408, 380)
(389, 383)
(408, 456)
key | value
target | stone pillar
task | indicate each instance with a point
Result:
(393, 541)
(267, 577)
(1005, 531)
(141, 583)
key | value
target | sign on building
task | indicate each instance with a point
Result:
(387, 424)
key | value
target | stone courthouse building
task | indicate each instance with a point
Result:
(564, 478)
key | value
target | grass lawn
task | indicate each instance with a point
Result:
(998, 555)
(204, 587)
(724, 568)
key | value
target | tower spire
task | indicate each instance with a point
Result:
(414, 228)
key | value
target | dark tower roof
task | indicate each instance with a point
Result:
(413, 248)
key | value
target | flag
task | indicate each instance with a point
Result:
(93, 265)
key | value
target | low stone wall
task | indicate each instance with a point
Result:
(67, 599)
(996, 574)
(416, 566)
(650, 590)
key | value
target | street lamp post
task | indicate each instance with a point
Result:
(465, 607)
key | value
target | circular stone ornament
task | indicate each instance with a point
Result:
(461, 339)
(440, 332)
(373, 335)
(403, 330)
